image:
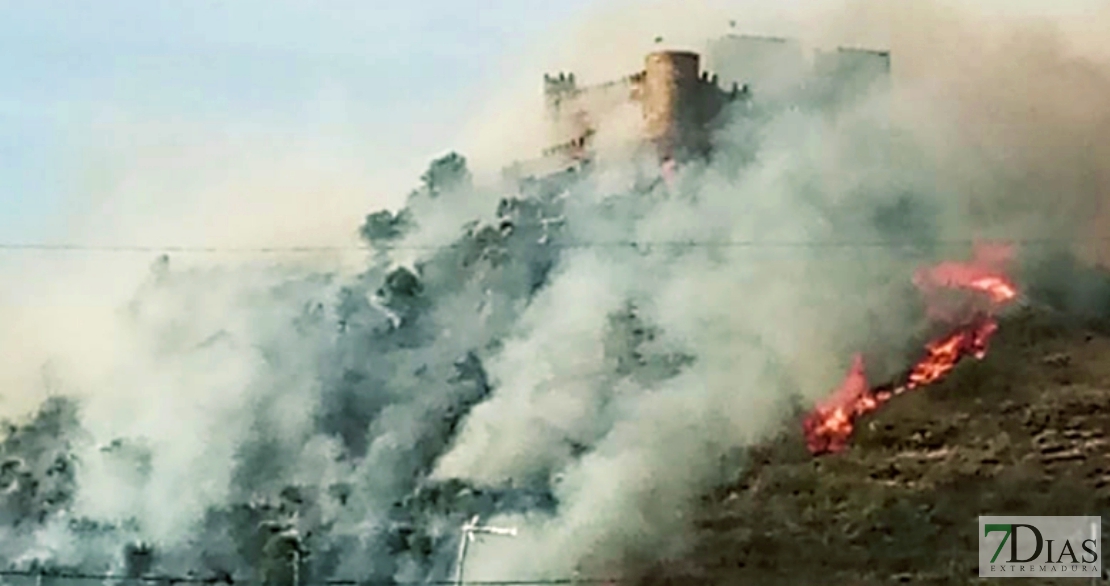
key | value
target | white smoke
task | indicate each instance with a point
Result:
(227, 382)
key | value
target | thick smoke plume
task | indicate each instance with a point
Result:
(552, 358)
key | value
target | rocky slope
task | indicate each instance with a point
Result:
(1022, 432)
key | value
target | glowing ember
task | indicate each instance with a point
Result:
(831, 423)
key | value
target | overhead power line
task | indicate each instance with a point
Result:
(74, 576)
(752, 244)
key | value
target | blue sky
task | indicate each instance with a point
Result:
(412, 68)
(409, 73)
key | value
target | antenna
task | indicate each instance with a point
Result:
(468, 530)
(296, 568)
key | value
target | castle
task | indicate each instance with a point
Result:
(681, 104)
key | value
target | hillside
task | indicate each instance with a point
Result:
(1022, 432)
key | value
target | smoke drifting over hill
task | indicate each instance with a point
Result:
(488, 359)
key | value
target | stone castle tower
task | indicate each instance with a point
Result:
(680, 104)
(676, 99)
(674, 109)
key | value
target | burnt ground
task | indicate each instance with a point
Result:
(1022, 432)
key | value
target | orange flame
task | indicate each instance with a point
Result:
(943, 354)
(829, 426)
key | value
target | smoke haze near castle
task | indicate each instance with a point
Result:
(237, 379)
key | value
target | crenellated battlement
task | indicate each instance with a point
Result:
(860, 50)
(574, 147)
(563, 88)
(676, 98)
(559, 85)
(681, 101)
(851, 57)
(735, 90)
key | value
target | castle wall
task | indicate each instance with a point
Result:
(675, 102)
(538, 167)
(577, 112)
(772, 68)
(847, 74)
(679, 105)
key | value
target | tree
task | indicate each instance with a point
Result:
(447, 173)
(385, 226)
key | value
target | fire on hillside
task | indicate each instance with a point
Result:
(963, 296)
